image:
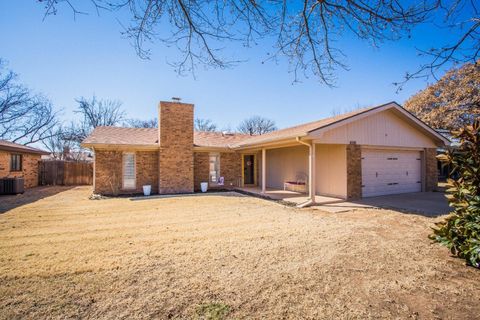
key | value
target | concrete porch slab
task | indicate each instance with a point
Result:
(292, 197)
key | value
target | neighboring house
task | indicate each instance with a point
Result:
(369, 152)
(17, 160)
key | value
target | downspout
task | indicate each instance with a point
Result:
(311, 192)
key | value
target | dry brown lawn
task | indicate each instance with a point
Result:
(64, 256)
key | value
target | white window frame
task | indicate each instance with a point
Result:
(217, 171)
(129, 186)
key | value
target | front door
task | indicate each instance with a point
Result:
(248, 169)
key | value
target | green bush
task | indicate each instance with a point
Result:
(460, 231)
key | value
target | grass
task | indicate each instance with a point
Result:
(212, 311)
(221, 257)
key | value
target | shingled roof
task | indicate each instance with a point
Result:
(16, 147)
(149, 137)
(300, 130)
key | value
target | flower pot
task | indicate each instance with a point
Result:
(204, 186)
(147, 190)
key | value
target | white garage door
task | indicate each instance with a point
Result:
(390, 172)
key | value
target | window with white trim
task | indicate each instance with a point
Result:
(129, 181)
(214, 168)
(16, 162)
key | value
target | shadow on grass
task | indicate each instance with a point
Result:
(225, 193)
(9, 202)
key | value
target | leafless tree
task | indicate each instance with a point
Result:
(62, 148)
(94, 112)
(256, 125)
(305, 32)
(56, 143)
(459, 17)
(205, 125)
(340, 111)
(25, 117)
(138, 123)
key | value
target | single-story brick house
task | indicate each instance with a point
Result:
(368, 152)
(17, 160)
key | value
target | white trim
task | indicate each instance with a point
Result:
(134, 171)
(264, 170)
(363, 146)
(218, 164)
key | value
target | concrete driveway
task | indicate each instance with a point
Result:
(430, 204)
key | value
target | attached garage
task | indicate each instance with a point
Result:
(390, 171)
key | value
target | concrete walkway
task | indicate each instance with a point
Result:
(429, 204)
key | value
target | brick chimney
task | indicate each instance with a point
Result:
(175, 136)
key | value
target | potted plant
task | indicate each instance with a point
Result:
(147, 189)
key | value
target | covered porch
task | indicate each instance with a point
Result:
(301, 172)
(292, 197)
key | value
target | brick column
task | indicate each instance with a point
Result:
(354, 171)
(175, 129)
(431, 169)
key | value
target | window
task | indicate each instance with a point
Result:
(129, 181)
(214, 169)
(16, 162)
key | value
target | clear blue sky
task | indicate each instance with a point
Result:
(66, 58)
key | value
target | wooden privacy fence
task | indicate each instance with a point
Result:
(65, 173)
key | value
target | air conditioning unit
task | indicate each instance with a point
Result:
(12, 185)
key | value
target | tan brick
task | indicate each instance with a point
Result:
(200, 168)
(431, 169)
(230, 169)
(29, 167)
(176, 147)
(354, 172)
(108, 171)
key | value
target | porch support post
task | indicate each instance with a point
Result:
(311, 172)
(264, 170)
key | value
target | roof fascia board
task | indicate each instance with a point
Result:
(288, 142)
(212, 149)
(20, 150)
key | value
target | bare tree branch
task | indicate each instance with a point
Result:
(205, 125)
(256, 125)
(306, 33)
(25, 117)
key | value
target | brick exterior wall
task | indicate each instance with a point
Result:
(200, 168)
(4, 163)
(176, 147)
(431, 169)
(108, 171)
(230, 169)
(354, 172)
(147, 170)
(29, 168)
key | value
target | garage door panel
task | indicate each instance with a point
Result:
(389, 171)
